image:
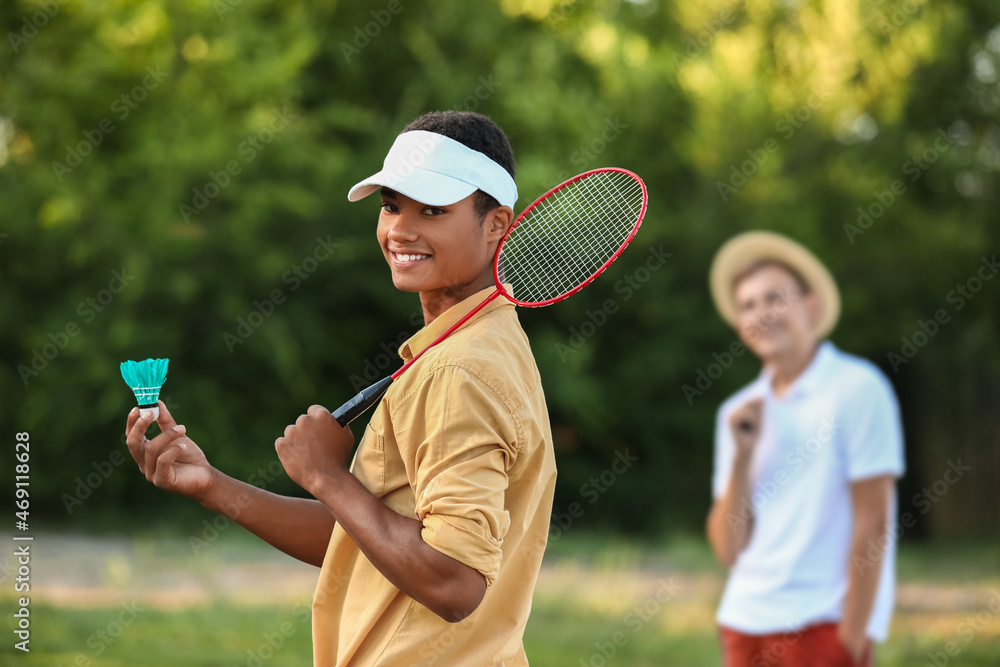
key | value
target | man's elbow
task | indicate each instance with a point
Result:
(723, 551)
(458, 599)
(726, 559)
(723, 554)
(871, 521)
(871, 526)
(870, 500)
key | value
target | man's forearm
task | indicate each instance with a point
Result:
(299, 527)
(870, 509)
(394, 545)
(730, 522)
(865, 571)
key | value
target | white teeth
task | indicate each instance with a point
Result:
(410, 258)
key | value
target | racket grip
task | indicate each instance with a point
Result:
(366, 398)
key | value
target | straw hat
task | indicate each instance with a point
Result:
(741, 252)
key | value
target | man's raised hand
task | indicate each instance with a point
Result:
(315, 448)
(171, 460)
(746, 423)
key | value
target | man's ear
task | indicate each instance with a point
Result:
(497, 222)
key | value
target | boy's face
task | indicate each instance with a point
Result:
(774, 316)
(442, 252)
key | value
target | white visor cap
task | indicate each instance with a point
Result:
(437, 170)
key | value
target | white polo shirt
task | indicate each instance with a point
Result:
(837, 424)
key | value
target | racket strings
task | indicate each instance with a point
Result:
(568, 238)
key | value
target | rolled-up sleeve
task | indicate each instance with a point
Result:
(458, 439)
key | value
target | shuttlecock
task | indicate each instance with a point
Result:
(145, 378)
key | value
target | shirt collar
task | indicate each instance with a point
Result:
(812, 378)
(420, 340)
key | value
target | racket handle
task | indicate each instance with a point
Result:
(366, 398)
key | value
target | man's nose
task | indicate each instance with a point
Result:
(403, 227)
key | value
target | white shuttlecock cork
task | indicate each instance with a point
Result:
(145, 378)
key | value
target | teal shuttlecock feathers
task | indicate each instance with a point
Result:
(145, 378)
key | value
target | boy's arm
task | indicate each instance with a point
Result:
(873, 445)
(870, 507)
(730, 521)
(297, 526)
(728, 530)
(315, 452)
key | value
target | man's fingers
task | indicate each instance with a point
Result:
(142, 423)
(136, 435)
(165, 420)
(163, 471)
(155, 447)
(130, 421)
(136, 424)
(746, 420)
(318, 411)
(752, 409)
(155, 457)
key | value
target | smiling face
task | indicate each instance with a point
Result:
(776, 318)
(443, 252)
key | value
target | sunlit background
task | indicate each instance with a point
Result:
(173, 179)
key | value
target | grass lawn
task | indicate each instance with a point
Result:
(152, 601)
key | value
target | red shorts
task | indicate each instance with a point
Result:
(812, 646)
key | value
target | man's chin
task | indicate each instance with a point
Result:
(767, 348)
(405, 284)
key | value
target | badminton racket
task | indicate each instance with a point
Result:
(555, 248)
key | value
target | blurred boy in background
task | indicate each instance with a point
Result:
(806, 458)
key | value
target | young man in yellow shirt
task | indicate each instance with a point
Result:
(430, 544)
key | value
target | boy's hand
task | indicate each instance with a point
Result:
(171, 460)
(745, 423)
(314, 448)
(854, 641)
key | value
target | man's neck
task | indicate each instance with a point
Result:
(437, 301)
(786, 368)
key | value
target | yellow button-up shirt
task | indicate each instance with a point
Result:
(460, 441)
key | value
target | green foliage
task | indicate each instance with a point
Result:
(173, 178)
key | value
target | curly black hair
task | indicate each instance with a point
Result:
(479, 133)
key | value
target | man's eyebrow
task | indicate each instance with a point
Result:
(386, 192)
